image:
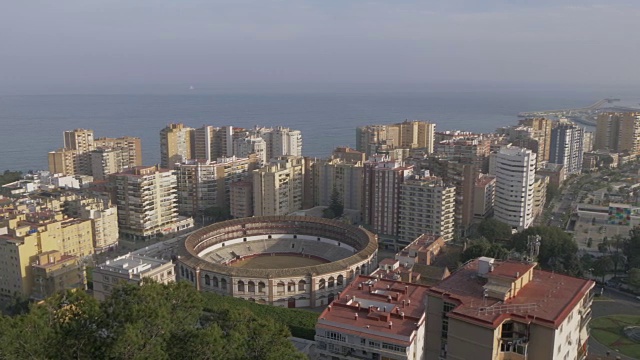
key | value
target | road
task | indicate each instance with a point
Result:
(619, 303)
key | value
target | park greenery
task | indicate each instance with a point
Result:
(153, 321)
(10, 176)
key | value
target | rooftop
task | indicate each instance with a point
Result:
(132, 264)
(546, 299)
(377, 309)
(423, 243)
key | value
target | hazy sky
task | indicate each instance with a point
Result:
(66, 44)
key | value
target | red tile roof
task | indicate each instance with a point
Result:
(547, 299)
(376, 303)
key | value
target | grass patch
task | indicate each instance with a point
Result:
(609, 331)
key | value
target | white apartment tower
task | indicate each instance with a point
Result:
(278, 187)
(515, 171)
(427, 206)
(251, 144)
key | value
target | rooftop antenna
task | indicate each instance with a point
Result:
(485, 294)
(533, 246)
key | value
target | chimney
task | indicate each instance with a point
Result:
(390, 324)
(329, 308)
(517, 274)
(409, 302)
(406, 289)
(360, 286)
(355, 316)
(388, 298)
(402, 315)
(403, 303)
(384, 309)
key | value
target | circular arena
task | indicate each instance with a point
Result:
(288, 261)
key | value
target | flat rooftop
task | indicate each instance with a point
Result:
(379, 309)
(132, 264)
(547, 299)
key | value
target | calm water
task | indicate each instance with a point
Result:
(33, 125)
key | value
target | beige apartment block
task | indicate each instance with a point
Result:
(131, 269)
(542, 133)
(63, 161)
(508, 311)
(104, 220)
(241, 194)
(129, 145)
(618, 132)
(202, 184)
(176, 145)
(54, 272)
(427, 206)
(343, 176)
(278, 187)
(147, 201)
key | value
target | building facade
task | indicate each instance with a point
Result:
(176, 145)
(131, 269)
(515, 170)
(567, 147)
(147, 201)
(509, 310)
(278, 187)
(426, 207)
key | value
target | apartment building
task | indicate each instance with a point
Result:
(567, 147)
(278, 187)
(618, 132)
(508, 310)
(426, 207)
(251, 144)
(176, 145)
(104, 220)
(374, 319)
(241, 199)
(484, 196)
(131, 269)
(131, 148)
(542, 132)
(343, 176)
(371, 139)
(515, 170)
(29, 235)
(53, 272)
(147, 201)
(202, 184)
(382, 180)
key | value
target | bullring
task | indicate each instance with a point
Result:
(289, 261)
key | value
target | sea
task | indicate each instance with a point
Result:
(32, 125)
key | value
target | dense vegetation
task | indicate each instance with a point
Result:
(10, 176)
(558, 250)
(300, 322)
(149, 322)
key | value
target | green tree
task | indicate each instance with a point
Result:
(492, 230)
(217, 213)
(558, 250)
(631, 248)
(336, 207)
(482, 247)
(602, 266)
(10, 176)
(634, 278)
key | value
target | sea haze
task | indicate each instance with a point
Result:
(33, 125)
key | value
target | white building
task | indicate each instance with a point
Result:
(515, 171)
(280, 141)
(132, 269)
(251, 144)
(567, 147)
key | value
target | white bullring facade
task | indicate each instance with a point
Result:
(340, 252)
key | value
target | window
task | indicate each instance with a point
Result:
(207, 280)
(261, 286)
(215, 281)
(394, 347)
(291, 286)
(301, 285)
(321, 284)
(335, 336)
(340, 280)
(331, 282)
(223, 284)
(251, 286)
(241, 286)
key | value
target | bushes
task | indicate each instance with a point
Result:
(300, 322)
